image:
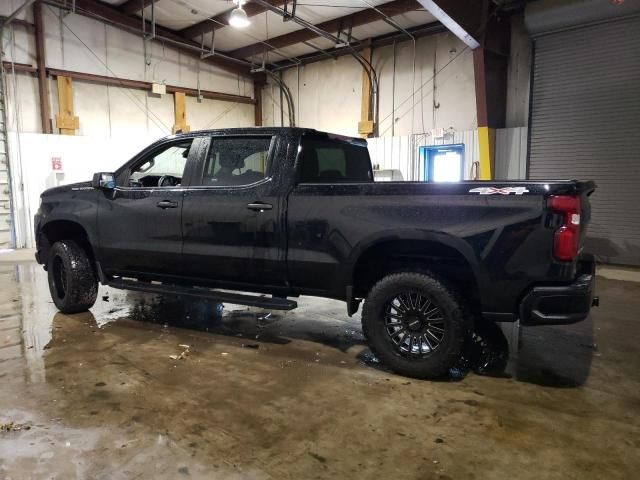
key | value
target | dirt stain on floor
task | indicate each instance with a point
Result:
(106, 394)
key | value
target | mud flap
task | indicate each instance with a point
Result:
(352, 303)
(485, 352)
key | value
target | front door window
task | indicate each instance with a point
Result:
(163, 168)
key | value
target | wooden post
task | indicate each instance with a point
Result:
(66, 121)
(43, 83)
(365, 125)
(180, 111)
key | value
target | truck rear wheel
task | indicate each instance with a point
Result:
(72, 282)
(415, 324)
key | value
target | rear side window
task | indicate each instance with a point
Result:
(326, 161)
(236, 160)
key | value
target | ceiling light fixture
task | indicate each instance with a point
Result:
(238, 17)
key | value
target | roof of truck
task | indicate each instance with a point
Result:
(270, 131)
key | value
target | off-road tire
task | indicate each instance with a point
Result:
(72, 281)
(457, 325)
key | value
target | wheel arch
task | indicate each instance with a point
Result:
(63, 229)
(448, 257)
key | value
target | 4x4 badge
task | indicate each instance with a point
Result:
(499, 191)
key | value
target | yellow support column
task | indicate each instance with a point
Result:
(180, 113)
(66, 121)
(365, 125)
(487, 147)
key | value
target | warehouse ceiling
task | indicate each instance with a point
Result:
(269, 37)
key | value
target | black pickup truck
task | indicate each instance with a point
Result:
(283, 212)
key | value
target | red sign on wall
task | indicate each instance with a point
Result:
(56, 164)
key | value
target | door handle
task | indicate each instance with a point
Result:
(259, 206)
(167, 204)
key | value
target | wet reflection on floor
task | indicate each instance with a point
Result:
(335, 329)
(108, 394)
(540, 357)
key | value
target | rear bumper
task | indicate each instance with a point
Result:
(559, 305)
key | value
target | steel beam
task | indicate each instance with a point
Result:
(356, 19)
(19, 67)
(17, 21)
(490, 72)
(126, 83)
(140, 85)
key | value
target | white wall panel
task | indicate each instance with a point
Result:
(83, 44)
(455, 96)
(211, 114)
(19, 45)
(53, 38)
(269, 106)
(159, 110)
(396, 103)
(330, 90)
(135, 112)
(125, 54)
(25, 114)
(328, 98)
(92, 107)
(163, 64)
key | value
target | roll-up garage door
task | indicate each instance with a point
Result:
(585, 124)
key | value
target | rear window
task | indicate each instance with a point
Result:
(327, 161)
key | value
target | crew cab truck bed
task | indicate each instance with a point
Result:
(288, 212)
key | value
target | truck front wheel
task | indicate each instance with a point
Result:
(415, 324)
(72, 282)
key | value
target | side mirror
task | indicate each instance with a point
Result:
(103, 180)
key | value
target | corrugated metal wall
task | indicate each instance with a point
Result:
(396, 153)
(585, 124)
(401, 153)
(511, 153)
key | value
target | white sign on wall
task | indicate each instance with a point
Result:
(56, 165)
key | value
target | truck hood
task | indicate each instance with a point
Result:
(66, 188)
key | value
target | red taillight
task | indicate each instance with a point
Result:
(566, 239)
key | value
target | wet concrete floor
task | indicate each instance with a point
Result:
(155, 387)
